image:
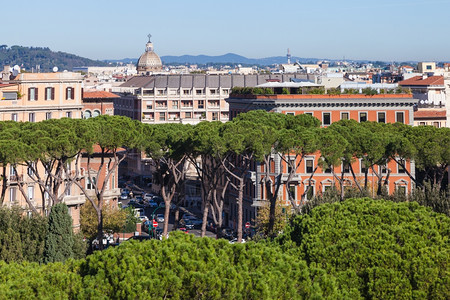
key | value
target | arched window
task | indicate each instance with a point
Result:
(96, 113)
(87, 114)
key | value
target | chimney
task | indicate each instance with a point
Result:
(6, 74)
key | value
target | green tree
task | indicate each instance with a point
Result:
(168, 146)
(59, 240)
(114, 138)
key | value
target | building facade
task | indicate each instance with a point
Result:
(309, 181)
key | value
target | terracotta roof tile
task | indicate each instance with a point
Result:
(417, 80)
(98, 95)
(429, 114)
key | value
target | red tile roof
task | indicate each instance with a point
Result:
(6, 84)
(429, 114)
(418, 80)
(98, 94)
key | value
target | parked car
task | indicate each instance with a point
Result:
(189, 224)
(160, 218)
(148, 196)
(197, 223)
(126, 191)
(152, 204)
(123, 196)
(235, 241)
(139, 199)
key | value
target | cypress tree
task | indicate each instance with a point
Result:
(59, 240)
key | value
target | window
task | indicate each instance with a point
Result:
(175, 104)
(9, 96)
(309, 113)
(70, 93)
(212, 91)
(401, 189)
(363, 166)
(96, 113)
(87, 114)
(149, 106)
(31, 117)
(381, 117)
(199, 91)
(186, 104)
(326, 118)
(30, 171)
(201, 104)
(12, 170)
(69, 114)
(345, 168)
(290, 113)
(14, 117)
(428, 67)
(345, 116)
(291, 165)
(91, 181)
(30, 192)
(310, 192)
(327, 169)
(383, 169)
(309, 165)
(162, 116)
(188, 115)
(225, 91)
(292, 191)
(32, 94)
(422, 123)
(48, 115)
(186, 92)
(400, 117)
(400, 168)
(215, 116)
(437, 124)
(12, 194)
(362, 117)
(49, 93)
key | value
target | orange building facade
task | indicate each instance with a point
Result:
(309, 180)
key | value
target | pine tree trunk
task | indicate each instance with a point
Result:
(205, 219)
(240, 212)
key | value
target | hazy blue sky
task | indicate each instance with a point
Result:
(357, 29)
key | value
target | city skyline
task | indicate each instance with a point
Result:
(387, 30)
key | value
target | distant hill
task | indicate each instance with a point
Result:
(29, 57)
(229, 58)
(232, 58)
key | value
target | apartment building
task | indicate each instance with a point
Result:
(40, 96)
(387, 108)
(187, 99)
(34, 97)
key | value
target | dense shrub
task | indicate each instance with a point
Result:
(377, 248)
(356, 249)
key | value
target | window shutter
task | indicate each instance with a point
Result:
(67, 93)
(36, 94)
(29, 94)
(73, 93)
(53, 93)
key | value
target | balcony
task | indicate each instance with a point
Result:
(74, 200)
(15, 178)
(295, 178)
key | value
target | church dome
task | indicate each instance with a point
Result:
(149, 61)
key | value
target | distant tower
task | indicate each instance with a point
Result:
(288, 57)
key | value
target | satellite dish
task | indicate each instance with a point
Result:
(422, 102)
(55, 69)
